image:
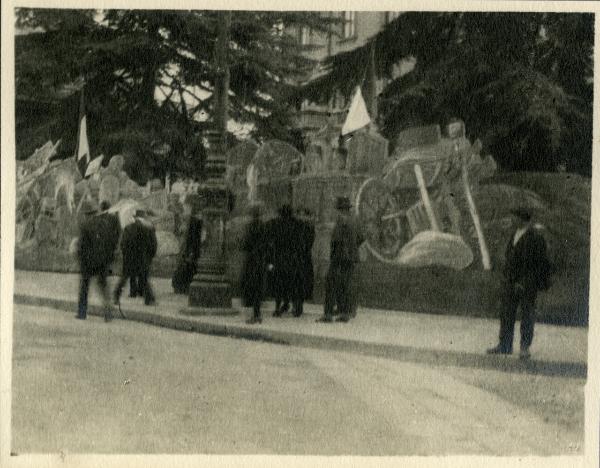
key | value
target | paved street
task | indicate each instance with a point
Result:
(87, 386)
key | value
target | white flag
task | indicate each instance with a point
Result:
(252, 182)
(82, 156)
(83, 148)
(357, 117)
(94, 166)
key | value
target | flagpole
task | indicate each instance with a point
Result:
(79, 116)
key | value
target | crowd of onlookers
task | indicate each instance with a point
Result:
(278, 264)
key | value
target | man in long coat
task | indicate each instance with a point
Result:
(284, 256)
(305, 277)
(190, 248)
(340, 287)
(526, 271)
(255, 245)
(139, 247)
(98, 239)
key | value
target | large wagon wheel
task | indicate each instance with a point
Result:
(380, 215)
(276, 160)
(238, 159)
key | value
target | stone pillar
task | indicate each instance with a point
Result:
(210, 291)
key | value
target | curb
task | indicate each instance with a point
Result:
(445, 358)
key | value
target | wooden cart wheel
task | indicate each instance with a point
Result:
(238, 159)
(380, 213)
(276, 160)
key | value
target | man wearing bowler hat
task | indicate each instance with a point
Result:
(340, 287)
(526, 271)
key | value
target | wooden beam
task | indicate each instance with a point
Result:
(485, 255)
(425, 198)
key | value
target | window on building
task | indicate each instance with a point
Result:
(349, 26)
(278, 28)
(392, 15)
(305, 34)
(339, 101)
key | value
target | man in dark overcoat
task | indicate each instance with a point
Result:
(98, 238)
(306, 238)
(340, 287)
(252, 282)
(138, 246)
(284, 256)
(526, 271)
(190, 248)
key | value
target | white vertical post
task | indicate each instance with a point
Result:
(425, 198)
(485, 255)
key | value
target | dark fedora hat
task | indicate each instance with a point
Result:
(343, 203)
(522, 212)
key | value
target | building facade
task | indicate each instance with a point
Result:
(357, 28)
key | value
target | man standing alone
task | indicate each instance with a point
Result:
(526, 271)
(340, 287)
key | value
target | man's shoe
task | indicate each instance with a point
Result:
(253, 320)
(343, 318)
(324, 320)
(80, 317)
(524, 353)
(277, 313)
(498, 350)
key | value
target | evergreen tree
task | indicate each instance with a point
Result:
(521, 82)
(149, 77)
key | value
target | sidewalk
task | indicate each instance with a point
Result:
(421, 338)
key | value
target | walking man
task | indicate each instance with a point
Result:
(98, 239)
(139, 247)
(340, 287)
(526, 271)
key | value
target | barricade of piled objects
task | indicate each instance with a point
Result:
(417, 205)
(50, 197)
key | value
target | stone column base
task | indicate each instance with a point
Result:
(210, 294)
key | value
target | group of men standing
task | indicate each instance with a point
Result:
(278, 261)
(279, 264)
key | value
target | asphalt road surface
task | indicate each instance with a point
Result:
(124, 387)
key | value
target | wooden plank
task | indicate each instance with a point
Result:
(425, 198)
(485, 255)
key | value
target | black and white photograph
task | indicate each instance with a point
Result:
(290, 232)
